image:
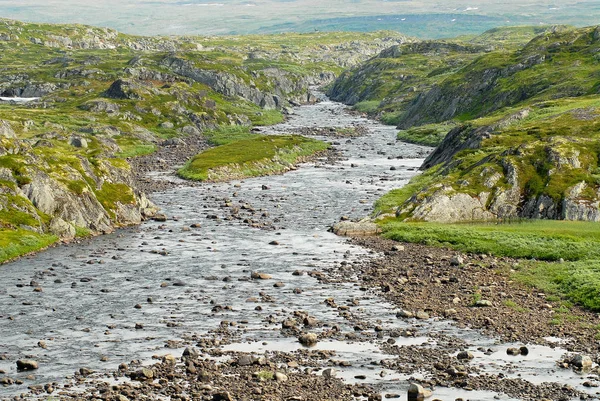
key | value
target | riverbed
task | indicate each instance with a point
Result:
(124, 296)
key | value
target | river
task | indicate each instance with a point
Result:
(122, 296)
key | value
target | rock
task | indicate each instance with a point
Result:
(7, 381)
(351, 229)
(169, 359)
(223, 396)
(581, 361)
(124, 89)
(513, 351)
(456, 260)
(260, 276)
(280, 377)
(524, 351)
(484, 303)
(62, 229)
(144, 374)
(190, 353)
(288, 324)
(78, 142)
(398, 248)
(308, 339)
(404, 314)
(422, 315)
(329, 373)
(417, 393)
(42, 344)
(465, 356)
(450, 312)
(245, 360)
(159, 217)
(279, 285)
(85, 371)
(27, 364)
(6, 130)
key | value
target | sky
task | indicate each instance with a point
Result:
(209, 17)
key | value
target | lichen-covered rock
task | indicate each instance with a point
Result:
(353, 229)
(6, 130)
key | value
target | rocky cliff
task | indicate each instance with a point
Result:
(526, 142)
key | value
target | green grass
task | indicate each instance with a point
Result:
(576, 281)
(428, 135)
(529, 239)
(15, 243)
(261, 155)
(543, 243)
(226, 134)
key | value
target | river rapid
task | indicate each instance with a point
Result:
(124, 296)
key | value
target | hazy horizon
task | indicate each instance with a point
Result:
(217, 17)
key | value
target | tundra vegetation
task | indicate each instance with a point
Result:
(514, 115)
(102, 98)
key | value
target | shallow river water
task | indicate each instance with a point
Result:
(87, 313)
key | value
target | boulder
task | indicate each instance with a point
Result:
(581, 361)
(356, 229)
(6, 130)
(78, 142)
(417, 393)
(308, 339)
(62, 229)
(124, 89)
(27, 364)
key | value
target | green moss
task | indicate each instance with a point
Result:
(112, 194)
(261, 155)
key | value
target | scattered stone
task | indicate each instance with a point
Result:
(513, 351)
(260, 276)
(308, 339)
(224, 396)
(417, 393)
(280, 377)
(465, 356)
(581, 361)
(403, 314)
(329, 373)
(456, 260)
(484, 303)
(27, 364)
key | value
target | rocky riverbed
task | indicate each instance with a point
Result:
(240, 292)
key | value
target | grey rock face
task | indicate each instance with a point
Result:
(6, 130)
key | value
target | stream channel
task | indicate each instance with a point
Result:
(86, 313)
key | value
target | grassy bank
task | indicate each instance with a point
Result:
(427, 135)
(251, 156)
(561, 257)
(15, 243)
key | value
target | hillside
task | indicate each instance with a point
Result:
(525, 136)
(95, 98)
